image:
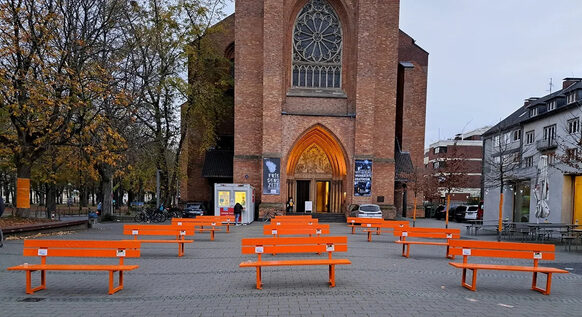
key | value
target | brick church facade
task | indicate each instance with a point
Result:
(329, 107)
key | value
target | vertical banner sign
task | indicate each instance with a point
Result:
(23, 193)
(363, 178)
(271, 176)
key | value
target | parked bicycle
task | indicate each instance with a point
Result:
(150, 215)
(270, 214)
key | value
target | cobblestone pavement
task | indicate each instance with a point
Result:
(208, 282)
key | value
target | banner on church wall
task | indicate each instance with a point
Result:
(363, 178)
(271, 176)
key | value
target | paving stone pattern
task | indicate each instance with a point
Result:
(208, 282)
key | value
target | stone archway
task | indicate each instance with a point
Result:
(316, 170)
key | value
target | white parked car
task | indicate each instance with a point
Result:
(369, 211)
(466, 212)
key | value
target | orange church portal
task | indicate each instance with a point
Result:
(316, 171)
(328, 108)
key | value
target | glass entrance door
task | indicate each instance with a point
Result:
(322, 198)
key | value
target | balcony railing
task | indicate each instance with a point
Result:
(546, 144)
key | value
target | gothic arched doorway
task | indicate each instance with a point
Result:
(316, 170)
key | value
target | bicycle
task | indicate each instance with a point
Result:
(270, 214)
(150, 215)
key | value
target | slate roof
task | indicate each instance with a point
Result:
(522, 113)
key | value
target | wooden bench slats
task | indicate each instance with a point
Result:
(296, 262)
(504, 245)
(178, 234)
(80, 244)
(429, 235)
(326, 244)
(163, 241)
(535, 252)
(294, 240)
(426, 233)
(422, 242)
(276, 249)
(72, 267)
(526, 254)
(86, 253)
(499, 267)
(77, 248)
(293, 217)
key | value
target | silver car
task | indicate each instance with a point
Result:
(369, 211)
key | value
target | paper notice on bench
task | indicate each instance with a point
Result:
(353, 221)
(278, 223)
(120, 253)
(404, 234)
(329, 248)
(214, 223)
(259, 249)
(466, 251)
(310, 223)
(537, 255)
(449, 236)
(317, 231)
(134, 232)
(368, 225)
(179, 223)
(42, 252)
(182, 232)
(274, 231)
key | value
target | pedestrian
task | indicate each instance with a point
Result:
(99, 206)
(237, 213)
(290, 205)
(1, 212)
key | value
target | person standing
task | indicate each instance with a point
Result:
(290, 205)
(237, 213)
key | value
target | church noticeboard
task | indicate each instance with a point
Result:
(363, 178)
(271, 176)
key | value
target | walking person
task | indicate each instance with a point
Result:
(237, 213)
(1, 212)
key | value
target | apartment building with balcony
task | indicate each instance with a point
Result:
(549, 125)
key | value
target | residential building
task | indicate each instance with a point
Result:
(465, 152)
(549, 126)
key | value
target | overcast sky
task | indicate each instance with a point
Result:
(487, 56)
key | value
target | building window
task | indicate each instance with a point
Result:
(551, 158)
(516, 135)
(516, 158)
(440, 149)
(530, 137)
(497, 159)
(528, 161)
(317, 47)
(572, 154)
(496, 141)
(550, 132)
(533, 112)
(571, 97)
(436, 165)
(552, 105)
(507, 138)
(573, 125)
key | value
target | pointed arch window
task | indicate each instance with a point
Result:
(317, 47)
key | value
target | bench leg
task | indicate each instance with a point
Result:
(377, 231)
(534, 283)
(180, 249)
(353, 229)
(405, 250)
(29, 289)
(227, 228)
(112, 289)
(369, 236)
(212, 235)
(332, 275)
(259, 283)
(473, 286)
(449, 256)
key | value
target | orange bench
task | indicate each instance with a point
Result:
(357, 222)
(384, 224)
(198, 224)
(295, 229)
(283, 217)
(259, 246)
(294, 219)
(512, 250)
(425, 233)
(160, 230)
(226, 220)
(81, 249)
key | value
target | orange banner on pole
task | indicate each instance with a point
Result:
(23, 193)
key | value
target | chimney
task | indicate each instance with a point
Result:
(530, 100)
(569, 81)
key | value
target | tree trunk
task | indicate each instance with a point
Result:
(51, 201)
(23, 170)
(107, 190)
